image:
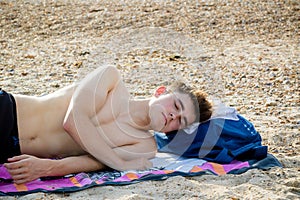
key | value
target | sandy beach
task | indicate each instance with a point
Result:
(245, 53)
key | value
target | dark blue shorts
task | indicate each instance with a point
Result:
(9, 139)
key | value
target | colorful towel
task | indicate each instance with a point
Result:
(165, 165)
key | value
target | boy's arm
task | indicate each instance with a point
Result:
(146, 149)
(88, 99)
(25, 168)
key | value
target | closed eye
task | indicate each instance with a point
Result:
(183, 121)
(176, 106)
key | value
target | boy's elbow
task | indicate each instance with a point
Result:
(152, 148)
(68, 124)
(70, 128)
(153, 154)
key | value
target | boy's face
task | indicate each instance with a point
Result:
(170, 112)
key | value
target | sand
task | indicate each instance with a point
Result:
(245, 53)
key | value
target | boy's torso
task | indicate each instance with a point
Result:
(40, 123)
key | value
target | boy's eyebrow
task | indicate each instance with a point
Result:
(185, 122)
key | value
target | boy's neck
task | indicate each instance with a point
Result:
(139, 113)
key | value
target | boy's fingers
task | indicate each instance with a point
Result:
(14, 171)
(17, 158)
(13, 165)
(14, 162)
(19, 177)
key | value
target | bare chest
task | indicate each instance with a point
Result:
(117, 135)
(116, 125)
(117, 128)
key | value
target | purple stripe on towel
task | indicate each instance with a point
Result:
(235, 165)
(4, 173)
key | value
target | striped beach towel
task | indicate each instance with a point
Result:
(165, 165)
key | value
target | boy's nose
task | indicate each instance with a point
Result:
(174, 115)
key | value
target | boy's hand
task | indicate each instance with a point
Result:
(25, 168)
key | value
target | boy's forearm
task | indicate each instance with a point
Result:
(71, 165)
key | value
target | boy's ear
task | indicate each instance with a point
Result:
(160, 90)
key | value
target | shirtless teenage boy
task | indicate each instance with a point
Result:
(91, 125)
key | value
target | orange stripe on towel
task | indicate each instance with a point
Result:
(75, 181)
(132, 176)
(168, 171)
(21, 187)
(218, 168)
(196, 169)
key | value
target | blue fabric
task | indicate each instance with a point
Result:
(9, 141)
(217, 140)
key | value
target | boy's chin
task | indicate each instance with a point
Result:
(162, 130)
(171, 132)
